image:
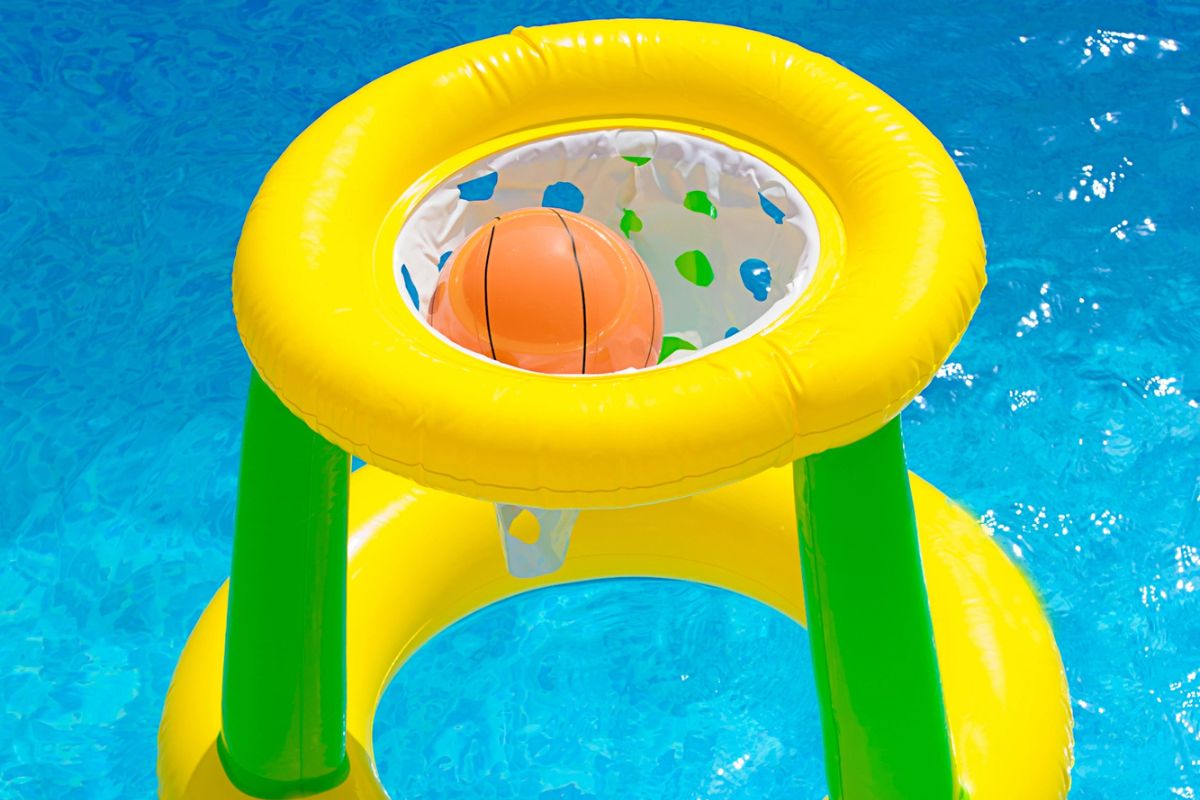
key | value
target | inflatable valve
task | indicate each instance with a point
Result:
(546, 549)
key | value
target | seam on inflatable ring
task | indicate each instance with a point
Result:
(522, 33)
(384, 460)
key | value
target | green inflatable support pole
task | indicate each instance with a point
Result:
(283, 704)
(882, 714)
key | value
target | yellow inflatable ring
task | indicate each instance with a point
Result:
(1005, 692)
(900, 269)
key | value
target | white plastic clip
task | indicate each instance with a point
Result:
(545, 553)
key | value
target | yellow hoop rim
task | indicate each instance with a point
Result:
(900, 270)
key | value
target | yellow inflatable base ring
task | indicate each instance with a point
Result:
(422, 559)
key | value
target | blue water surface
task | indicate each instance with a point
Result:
(133, 138)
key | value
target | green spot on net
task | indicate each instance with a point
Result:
(637, 161)
(698, 201)
(695, 266)
(671, 344)
(630, 222)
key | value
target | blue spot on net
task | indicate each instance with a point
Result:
(756, 277)
(443, 258)
(564, 195)
(480, 188)
(730, 332)
(410, 286)
(773, 211)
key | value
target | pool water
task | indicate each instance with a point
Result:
(609, 689)
(134, 136)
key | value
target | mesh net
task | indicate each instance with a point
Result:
(729, 241)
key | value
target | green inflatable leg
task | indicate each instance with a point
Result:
(283, 705)
(882, 713)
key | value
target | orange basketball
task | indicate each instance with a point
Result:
(550, 291)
